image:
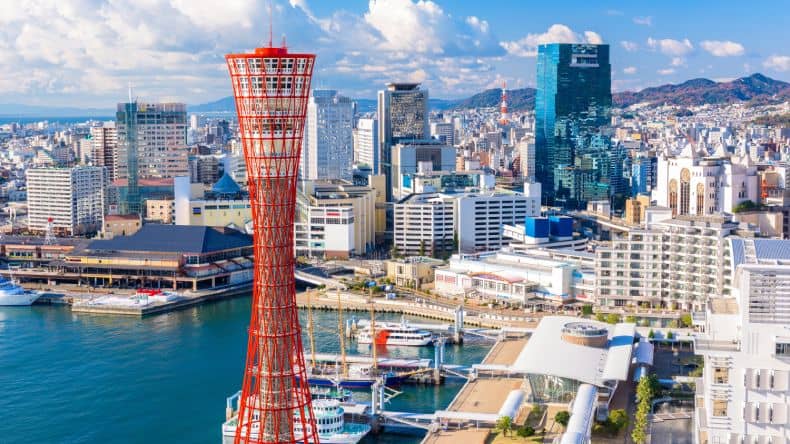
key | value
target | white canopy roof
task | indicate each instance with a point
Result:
(547, 353)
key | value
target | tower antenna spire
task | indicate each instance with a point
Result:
(271, 23)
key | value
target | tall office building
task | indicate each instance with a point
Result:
(368, 144)
(152, 144)
(403, 116)
(329, 144)
(572, 102)
(70, 199)
(104, 148)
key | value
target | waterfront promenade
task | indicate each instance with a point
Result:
(481, 397)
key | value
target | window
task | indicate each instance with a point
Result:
(782, 350)
(719, 407)
(721, 375)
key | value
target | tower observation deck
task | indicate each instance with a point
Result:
(271, 87)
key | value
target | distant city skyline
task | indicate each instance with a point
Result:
(85, 52)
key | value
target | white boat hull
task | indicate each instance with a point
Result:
(18, 299)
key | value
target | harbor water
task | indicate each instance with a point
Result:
(80, 378)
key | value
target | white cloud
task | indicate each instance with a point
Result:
(629, 70)
(629, 46)
(645, 21)
(722, 48)
(777, 62)
(666, 71)
(593, 37)
(86, 51)
(614, 12)
(528, 46)
(678, 61)
(477, 23)
(670, 47)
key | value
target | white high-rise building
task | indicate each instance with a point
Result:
(329, 145)
(526, 151)
(440, 223)
(743, 395)
(444, 132)
(72, 198)
(104, 148)
(368, 144)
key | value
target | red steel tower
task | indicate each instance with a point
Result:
(272, 87)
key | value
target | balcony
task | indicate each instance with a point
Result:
(713, 345)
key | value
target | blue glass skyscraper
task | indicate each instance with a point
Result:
(573, 101)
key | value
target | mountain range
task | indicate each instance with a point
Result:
(756, 89)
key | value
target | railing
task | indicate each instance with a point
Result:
(706, 344)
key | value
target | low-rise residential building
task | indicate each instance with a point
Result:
(120, 225)
(412, 271)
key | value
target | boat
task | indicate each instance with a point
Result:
(13, 294)
(323, 392)
(330, 424)
(395, 334)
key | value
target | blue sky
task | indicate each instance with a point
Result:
(85, 52)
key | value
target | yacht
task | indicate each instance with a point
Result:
(332, 428)
(395, 334)
(13, 294)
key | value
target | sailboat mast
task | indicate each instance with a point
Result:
(341, 330)
(310, 326)
(373, 329)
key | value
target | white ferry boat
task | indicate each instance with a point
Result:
(332, 428)
(395, 334)
(12, 294)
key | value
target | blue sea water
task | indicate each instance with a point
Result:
(76, 378)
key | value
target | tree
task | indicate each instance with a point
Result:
(613, 318)
(587, 310)
(562, 417)
(630, 319)
(670, 335)
(619, 419)
(651, 334)
(525, 432)
(504, 424)
(685, 320)
(421, 251)
(600, 317)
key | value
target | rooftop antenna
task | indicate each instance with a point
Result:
(271, 23)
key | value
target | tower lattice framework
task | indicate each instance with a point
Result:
(272, 87)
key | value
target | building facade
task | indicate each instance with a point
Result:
(673, 263)
(368, 150)
(329, 146)
(743, 395)
(572, 102)
(104, 148)
(152, 144)
(335, 219)
(408, 157)
(72, 200)
(694, 182)
(402, 116)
